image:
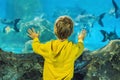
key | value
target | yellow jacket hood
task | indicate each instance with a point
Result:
(59, 58)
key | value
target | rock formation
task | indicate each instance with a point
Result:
(105, 64)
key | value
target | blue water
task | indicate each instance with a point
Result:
(41, 15)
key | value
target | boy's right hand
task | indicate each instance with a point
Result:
(82, 35)
(32, 33)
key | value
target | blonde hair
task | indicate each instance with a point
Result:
(63, 27)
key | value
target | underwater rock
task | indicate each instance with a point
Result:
(102, 64)
(20, 66)
(105, 64)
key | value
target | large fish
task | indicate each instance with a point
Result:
(11, 23)
(116, 10)
(89, 20)
(109, 36)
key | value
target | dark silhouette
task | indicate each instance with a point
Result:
(117, 11)
(100, 19)
(109, 36)
(11, 23)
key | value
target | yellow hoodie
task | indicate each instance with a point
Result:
(59, 58)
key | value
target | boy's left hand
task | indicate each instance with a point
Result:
(82, 35)
(32, 33)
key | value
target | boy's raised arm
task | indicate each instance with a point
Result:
(38, 47)
(80, 44)
(82, 36)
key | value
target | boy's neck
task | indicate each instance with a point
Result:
(62, 39)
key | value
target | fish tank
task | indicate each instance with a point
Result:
(100, 18)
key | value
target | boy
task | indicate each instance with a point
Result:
(59, 54)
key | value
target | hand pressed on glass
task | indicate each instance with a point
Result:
(32, 33)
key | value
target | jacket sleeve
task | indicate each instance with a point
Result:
(80, 48)
(39, 48)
